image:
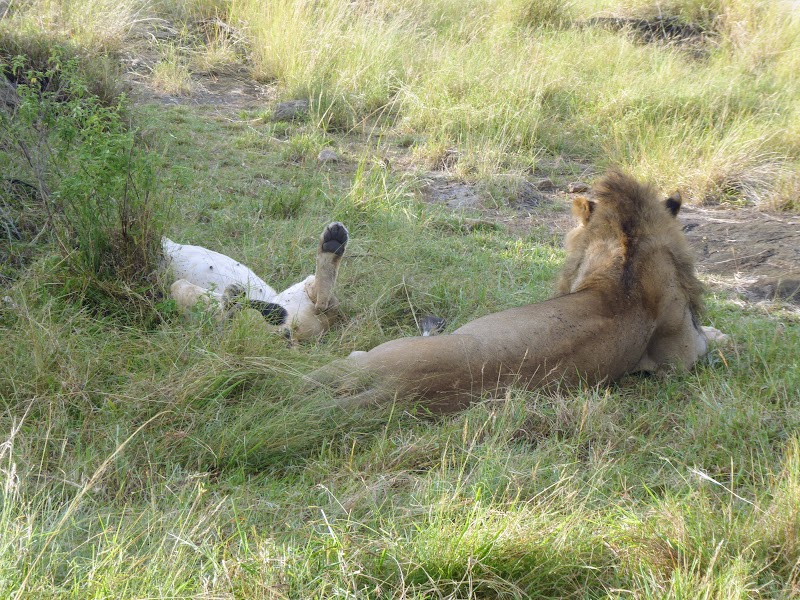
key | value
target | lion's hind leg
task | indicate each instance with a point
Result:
(332, 244)
(372, 397)
(340, 376)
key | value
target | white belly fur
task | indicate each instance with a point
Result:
(213, 271)
(303, 318)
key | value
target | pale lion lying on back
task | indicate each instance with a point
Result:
(303, 311)
(628, 301)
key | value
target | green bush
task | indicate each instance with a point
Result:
(92, 180)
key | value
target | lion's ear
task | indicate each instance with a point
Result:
(582, 209)
(673, 203)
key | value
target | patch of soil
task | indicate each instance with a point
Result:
(752, 252)
(547, 185)
(452, 193)
(658, 29)
(230, 91)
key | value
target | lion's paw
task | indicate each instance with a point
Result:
(334, 239)
(431, 325)
(715, 335)
(233, 292)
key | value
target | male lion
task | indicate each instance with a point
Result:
(304, 310)
(628, 301)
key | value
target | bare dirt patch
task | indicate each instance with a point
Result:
(454, 194)
(228, 92)
(657, 29)
(752, 252)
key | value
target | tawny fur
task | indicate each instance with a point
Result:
(628, 301)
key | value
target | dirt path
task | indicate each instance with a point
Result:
(753, 252)
(231, 92)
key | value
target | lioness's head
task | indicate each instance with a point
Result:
(629, 243)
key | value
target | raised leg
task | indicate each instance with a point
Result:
(332, 244)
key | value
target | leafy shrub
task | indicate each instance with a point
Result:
(92, 180)
(100, 73)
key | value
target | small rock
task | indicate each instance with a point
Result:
(577, 187)
(327, 155)
(544, 185)
(528, 195)
(290, 111)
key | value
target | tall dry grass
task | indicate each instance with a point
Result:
(96, 25)
(507, 82)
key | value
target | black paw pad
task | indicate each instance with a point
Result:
(334, 238)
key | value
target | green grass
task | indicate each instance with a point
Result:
(510, 82)
(143, 456)
(233, 483)
(171, 75)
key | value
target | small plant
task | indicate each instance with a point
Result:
(374, 191)
(539, 13)
(220, 49)
(286, 202)
(171, 74)
(303, 147)
(100, 72)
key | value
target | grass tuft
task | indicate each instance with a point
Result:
(171, 74)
